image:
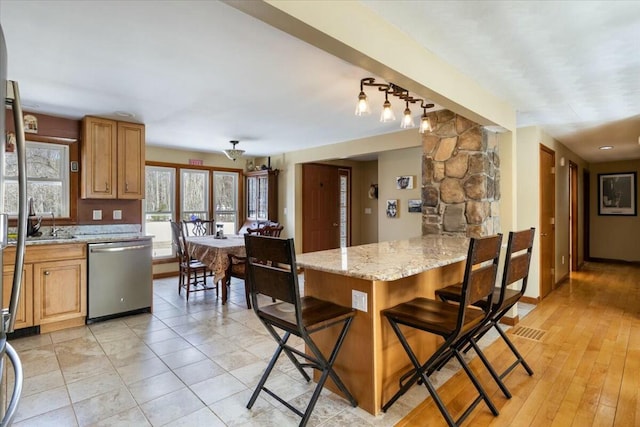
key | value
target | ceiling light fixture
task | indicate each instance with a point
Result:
(387, 115)
(606, 147)
(233, 153)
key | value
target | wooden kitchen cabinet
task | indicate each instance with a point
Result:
(113, 155)
(54, 293)
(24, 314)
(59, 292)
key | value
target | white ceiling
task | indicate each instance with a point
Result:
(199, 74)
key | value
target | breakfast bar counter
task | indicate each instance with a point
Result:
(372, 359)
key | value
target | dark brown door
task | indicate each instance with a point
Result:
(573, 214)
(320, 207)
(586, 205)
(547, 219)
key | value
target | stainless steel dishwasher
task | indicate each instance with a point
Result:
(120, 279)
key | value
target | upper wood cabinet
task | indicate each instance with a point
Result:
(112, 156)
(262, 196)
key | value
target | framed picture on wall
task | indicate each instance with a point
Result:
(392, 208)
(617, 194)
(404, 182)
(415, 205)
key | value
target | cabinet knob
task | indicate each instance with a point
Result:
(46, 273)
(106, 184)
(126, 186)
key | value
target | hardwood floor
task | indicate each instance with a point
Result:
(586, 365)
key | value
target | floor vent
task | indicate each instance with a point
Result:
(529, 333)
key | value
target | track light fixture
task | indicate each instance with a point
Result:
(387, 115)
(233, 153)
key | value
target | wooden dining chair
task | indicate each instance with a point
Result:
(454, 323)
(199, 227)
(515, 270)
(271, 267)
(236, 267)
(192, 273)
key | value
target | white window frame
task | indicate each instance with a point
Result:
(64, 179)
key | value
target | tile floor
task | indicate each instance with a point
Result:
(187, 364)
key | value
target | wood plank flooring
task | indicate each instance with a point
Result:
(586, 366)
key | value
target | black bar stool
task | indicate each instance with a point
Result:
(272, 272)
(453, 323)
(516, 269)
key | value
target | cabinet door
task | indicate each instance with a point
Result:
(252, 197)
(99, 150)
(130, 161)
(263, 198)
(59, 291)
(24, 315)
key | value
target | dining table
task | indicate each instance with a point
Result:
(212, 251)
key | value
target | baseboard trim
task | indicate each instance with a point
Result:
(511, 321)
(165, 275)
(614, 261)
(530, 300)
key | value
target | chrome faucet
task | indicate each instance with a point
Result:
(54, 230)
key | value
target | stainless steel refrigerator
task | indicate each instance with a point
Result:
(10, 94)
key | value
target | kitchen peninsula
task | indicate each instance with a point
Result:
(372, 359)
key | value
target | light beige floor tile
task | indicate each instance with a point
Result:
(233, 410)
(60, 417)
(169, 346)
(86, 367)
(69, 334)
(141, 369)
(217, 388)
(94, 385)
(202, 417)
(40, 403)
(171, 407)
(28, 343)
(153, 387)
(236, 359)
(328, 405)
(42, 382)
(158, 335)
(130, 418)
(273, 418)
(38, 361)
(250, 374)
(217, 347)
(183, 357)
(103, 406)
(199, 371)
(137, 353)
(262, 347)
(82, 346)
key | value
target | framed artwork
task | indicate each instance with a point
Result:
(404, 182)
(617, 194)
(392, 208)
(30, 123)
(415, 205)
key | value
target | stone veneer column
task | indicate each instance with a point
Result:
(460, 177)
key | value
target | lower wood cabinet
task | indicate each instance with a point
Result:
(59, 291)
(54, 292)
(24, 316)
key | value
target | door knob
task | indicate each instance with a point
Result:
(335, 224)
(543, 234)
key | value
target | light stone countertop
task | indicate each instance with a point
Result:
(82, 238)
(387, 261)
